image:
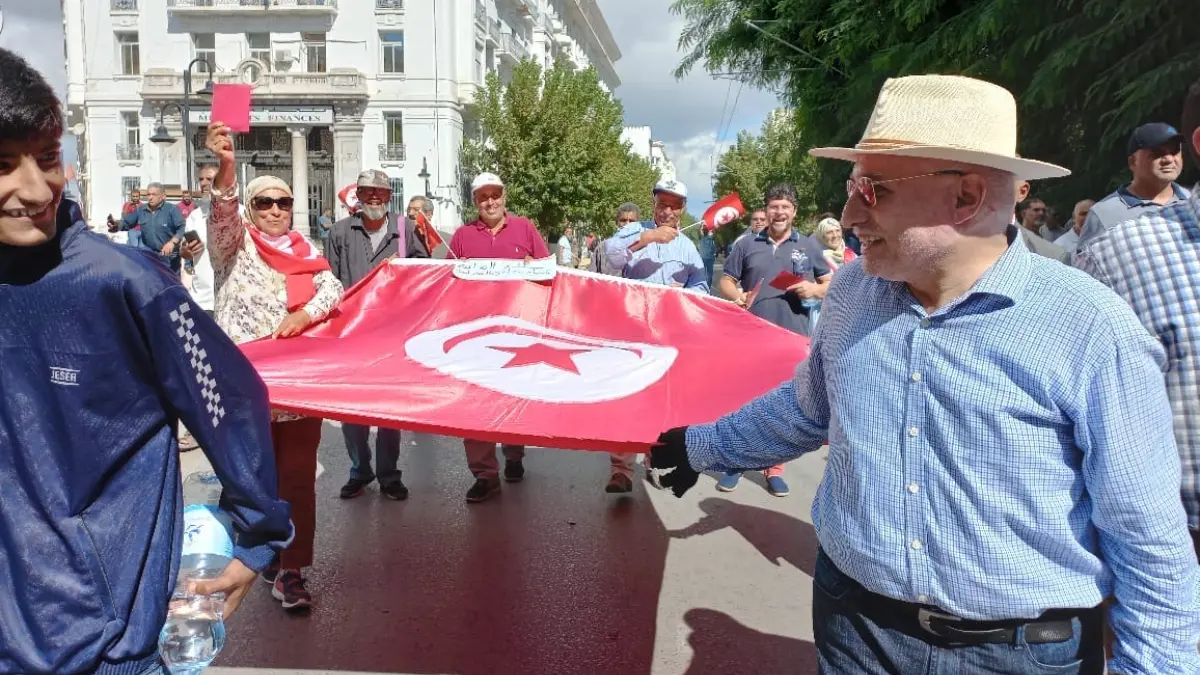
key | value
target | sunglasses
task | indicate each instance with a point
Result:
(866, 186)
(265, 203)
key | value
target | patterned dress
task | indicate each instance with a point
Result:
(251, 298)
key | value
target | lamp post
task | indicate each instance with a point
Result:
(185, 111)
(425, 175)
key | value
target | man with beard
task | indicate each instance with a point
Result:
(358, 244)
(759, 259)
(987, 485)
(1156, 160)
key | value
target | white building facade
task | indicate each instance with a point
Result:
(642, 144)
(339, 86)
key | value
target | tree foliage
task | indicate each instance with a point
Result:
(773, 156)
(554, 137)
(1084, 72)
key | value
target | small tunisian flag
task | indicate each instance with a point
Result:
(414, 347)
(724, 211)
(349, 197)
(429, 235)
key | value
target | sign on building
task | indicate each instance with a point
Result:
(275, 116)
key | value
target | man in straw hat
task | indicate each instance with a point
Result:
(988, 485)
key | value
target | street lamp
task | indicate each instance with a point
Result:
(186, 113)
(163, 138)
(425, 175)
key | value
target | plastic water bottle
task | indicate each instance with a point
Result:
(195, 629)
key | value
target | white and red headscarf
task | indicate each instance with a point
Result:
(290, 254)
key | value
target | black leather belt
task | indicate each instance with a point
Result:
(1053, 626)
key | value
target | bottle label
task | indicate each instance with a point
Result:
(206, 531)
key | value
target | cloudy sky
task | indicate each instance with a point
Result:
(685, 114)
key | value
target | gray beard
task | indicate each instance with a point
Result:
(375, 212)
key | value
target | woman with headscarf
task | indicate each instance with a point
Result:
(829, 235)
(271, 281)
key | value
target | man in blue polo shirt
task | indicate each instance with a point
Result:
(161, 224)
(1156, 160)
(778, 249)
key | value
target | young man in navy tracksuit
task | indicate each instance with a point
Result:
(103, 354)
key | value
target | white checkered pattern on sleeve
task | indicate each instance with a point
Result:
(1154, 263)
(184, 329)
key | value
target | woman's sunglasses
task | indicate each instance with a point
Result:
(265, 203)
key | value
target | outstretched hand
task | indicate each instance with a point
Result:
(670, 453)
(234, 582)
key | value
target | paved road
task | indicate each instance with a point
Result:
(553, 577)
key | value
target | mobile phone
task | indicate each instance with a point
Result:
(191, 236)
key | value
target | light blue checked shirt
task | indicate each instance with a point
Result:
(1154, 263)
(1007, 454)
(677, 262)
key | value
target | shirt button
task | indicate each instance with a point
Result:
(916, 544)
(923, 599)
(916, 377)
(914, 432)
(925, 323)
(914, 488)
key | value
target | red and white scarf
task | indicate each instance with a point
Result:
(292, 256)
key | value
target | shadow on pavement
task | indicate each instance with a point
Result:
(721, 646)
(777, 536)
(553, 576)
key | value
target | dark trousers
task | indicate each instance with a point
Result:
(855, 636)
(296, 463)
(387, 453)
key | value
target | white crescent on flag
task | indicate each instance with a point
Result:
(519, 358)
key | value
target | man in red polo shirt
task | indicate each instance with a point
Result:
(497, 234)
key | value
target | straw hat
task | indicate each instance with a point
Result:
(957, 119)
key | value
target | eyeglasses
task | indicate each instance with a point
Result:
(866, 186)
(265, 203)
(626, 220)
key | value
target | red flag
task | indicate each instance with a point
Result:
(349, 198)
(414, 347)
(429, 235)
(723, 211)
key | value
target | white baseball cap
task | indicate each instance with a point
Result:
(671, 186)
(485, 180)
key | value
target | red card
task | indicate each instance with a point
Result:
(785, 280)
(231, 105)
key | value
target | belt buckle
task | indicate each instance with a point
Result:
(924, 615)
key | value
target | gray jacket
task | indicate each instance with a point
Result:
(349, 253)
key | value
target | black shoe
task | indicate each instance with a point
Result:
(394, 490)
(354, 487)
(514, 471)
(482, 490)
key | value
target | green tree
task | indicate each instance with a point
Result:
(1084, 72)
(554, 137)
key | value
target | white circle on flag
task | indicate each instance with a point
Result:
(725, 215)
(518, 358)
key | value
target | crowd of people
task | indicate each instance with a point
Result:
(1006, 458)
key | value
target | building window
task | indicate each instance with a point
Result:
(393, 51)
(398, 204)
(129, 54)
(133, 129)
(204, 47)
(479, 64)
(314, 52)
(129, 184)
(260, 48)
(394, 123)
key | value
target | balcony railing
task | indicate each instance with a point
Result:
(243, 6)
(514, 47)
(337, 84)
(129, 153)
(389, 5)
(494, 31)
(124, 5)
(391, 152)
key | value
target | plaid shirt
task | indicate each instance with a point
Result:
(1154, 263)
(1008, 453)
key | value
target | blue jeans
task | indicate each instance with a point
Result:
(855, 637)
(387, 453)
(709, 263)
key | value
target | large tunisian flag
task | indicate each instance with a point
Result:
(584, 362)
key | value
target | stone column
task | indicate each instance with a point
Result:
(300, 178)
(347, 149)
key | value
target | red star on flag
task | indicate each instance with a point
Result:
(540, 352)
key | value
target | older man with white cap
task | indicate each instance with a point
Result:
(496, 234)
(987, 485)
